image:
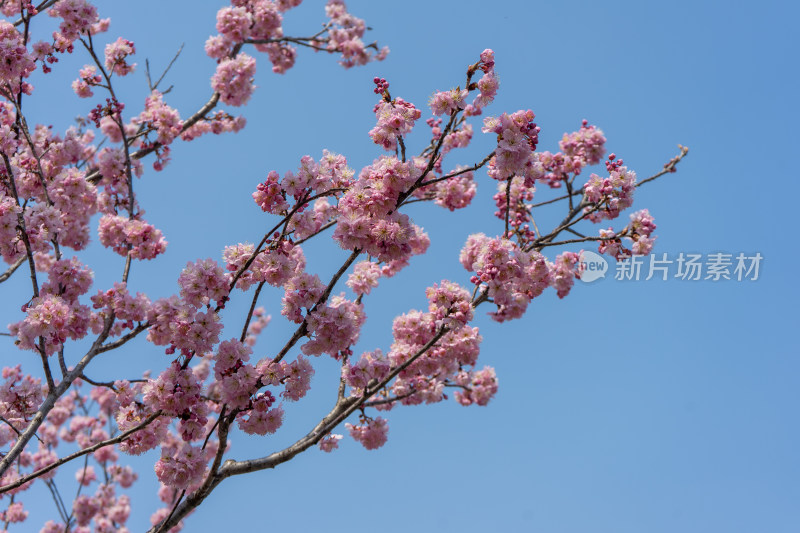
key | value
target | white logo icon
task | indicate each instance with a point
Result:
(593, 266)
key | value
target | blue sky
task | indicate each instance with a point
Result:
(654, 406)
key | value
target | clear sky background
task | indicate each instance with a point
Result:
(655, 406)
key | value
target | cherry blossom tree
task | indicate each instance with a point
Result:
(60, 191)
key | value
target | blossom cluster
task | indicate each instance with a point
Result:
(372, 433)
(56, 314)
(612, 194)
(517, 138)
(639, 231)
(345, 36)
(52, 185)
(395, 119)
(368, 217)
(511, 276)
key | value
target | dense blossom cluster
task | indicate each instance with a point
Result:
(15, 59)
(234, 79)
(52, 185)
(640, 231)
(613, 194)
(333, 327)
(372, 367)
(131, 237)
(364, 277)
(368, 218)
(346, 35)
(56, 315)
(517, 137)
(117, 57)
(511, 276)
(584, 147)
(477, 387)
(454, 193)
(372, 433)
(395, 119)
(511, 201)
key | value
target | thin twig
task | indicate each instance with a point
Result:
(119, 438)
(7, 274)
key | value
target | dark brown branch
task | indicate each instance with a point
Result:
(119, 438)
(453, 174)
(337, 415)
(122, 340)
(7, 274)
(250, 312)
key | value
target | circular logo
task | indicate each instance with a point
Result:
(593, 266)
